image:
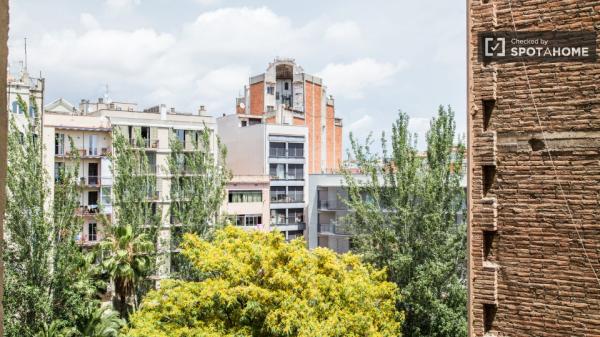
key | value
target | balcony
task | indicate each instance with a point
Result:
(92, 181)
(287, 198)
(88, 240)
(287, 177)
(144, 142)
(87, 210)
(332, 205)
(283, 153)
(333, 228)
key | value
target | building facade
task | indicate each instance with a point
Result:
(326, 210)
(285, 94)
(279, 152)
(534, 233)
(31, 90)
(247, 201)
(91, 126)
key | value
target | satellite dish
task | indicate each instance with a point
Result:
(242, 106)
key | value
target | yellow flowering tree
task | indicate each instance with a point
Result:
(258, 285)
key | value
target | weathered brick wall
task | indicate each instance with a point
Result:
(257, 98)
(528, 270)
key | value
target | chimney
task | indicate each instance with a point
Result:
(163, 112)
(172, 110)
(202, 110)
(100, 100)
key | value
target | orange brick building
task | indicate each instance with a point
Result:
(285, 94)
(534, 178)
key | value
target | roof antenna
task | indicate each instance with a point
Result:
(25, 61)
(106, 97)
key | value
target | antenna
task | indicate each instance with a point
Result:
(106, 97)
(25, 61)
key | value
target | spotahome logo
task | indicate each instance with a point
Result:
(545, 46)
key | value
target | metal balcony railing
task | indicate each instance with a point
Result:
(282, 153)
(90, 180)
(332, 205)
(334, 228)
(287, 198)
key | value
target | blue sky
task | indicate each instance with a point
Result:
(376, 56)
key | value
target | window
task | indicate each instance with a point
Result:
(278, 194)
(296, 171)
(59, 171)
(270, 90)
(276, 149)
(92, 231)
(59, 144)
(277, 171)
(296, 150)
(92, 145)
(489, 175)
(245, 196)
(296, 193)
(180, 135)
(295, 215)
(248, 220)
(270, 108)
(286, 86)
(93, 198)
(278, 217)
(32, 111)
(15, 107)
(105, 194)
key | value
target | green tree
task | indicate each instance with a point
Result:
(198, 180)
(44, 277)
(404, 219)
(259, 285)
(126, 259)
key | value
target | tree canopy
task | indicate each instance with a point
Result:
(405, 219)
(259, 285)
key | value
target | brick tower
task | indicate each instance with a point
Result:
(534, 179)
(285, 94)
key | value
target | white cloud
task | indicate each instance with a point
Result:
(351, 79)
(347, 31)
(208, 2)
(121, 5)
(219, 87)
(361, 124)
(88, 21)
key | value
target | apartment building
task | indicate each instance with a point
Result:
(285, 94)
(247, 201)
(326, 211)
(534, 173)
(30, 89)
(91, 127)
(279, 152)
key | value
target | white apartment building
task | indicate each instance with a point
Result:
(30, 89)
(279, 151)
(91, 127)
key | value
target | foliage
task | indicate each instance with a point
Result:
(198, 179)
(97, 322)
(405, 221)
(126, 260)
(259, 285)
(48, 277)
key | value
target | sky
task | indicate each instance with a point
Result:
(376, 57)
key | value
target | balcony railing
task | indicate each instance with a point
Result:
(90, 180)
(284, 221)
(144, 142)
(332, 205)
(287, 177)
(334, 228)
(287, 198)
(282, 153)
(88, 239)
(87, 210)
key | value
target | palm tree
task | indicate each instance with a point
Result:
(126, 261)
(101, 322)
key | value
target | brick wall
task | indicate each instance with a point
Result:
(257, 98)
(529, 275)
(329, 129)
(313, 97)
